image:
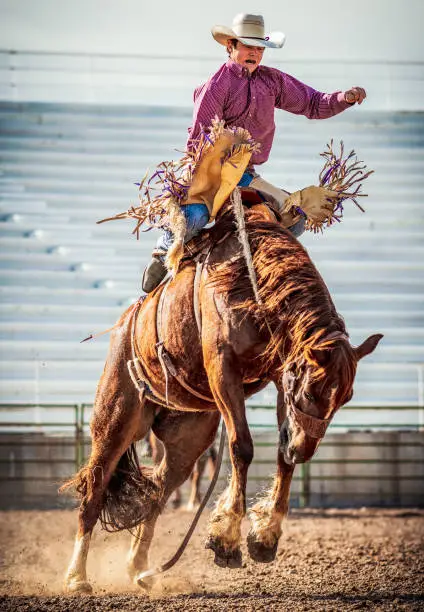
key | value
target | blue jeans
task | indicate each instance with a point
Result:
(298, 228)
(197, 216)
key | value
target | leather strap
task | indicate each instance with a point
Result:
(159, 311)
(201, 261)
(311, 425)
(196, 290)
(137, 369)
(168, 367)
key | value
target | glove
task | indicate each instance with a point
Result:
(316, 203)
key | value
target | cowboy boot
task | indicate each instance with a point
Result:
(154, 273)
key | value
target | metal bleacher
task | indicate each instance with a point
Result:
(62, 277)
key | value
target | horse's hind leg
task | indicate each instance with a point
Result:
(138, 555)
(119, 419)
(185, 436)
(157, 456)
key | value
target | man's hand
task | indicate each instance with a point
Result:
(317, 204)
(355, 95)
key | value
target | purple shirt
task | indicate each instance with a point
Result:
(248, 101)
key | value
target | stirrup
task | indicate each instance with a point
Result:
(154, 274)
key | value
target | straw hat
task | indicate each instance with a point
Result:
(250, 30)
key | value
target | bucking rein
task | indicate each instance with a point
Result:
(339, 174)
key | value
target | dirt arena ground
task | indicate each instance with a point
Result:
(327, 560)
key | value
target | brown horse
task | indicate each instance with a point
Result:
(308, 357)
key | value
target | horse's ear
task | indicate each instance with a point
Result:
(367, 346)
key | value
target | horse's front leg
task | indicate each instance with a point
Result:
(225, 523)
(267, 515)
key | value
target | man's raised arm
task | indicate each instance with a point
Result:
(300, 99)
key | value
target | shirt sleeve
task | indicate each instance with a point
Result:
(300, 99)
(209, 103)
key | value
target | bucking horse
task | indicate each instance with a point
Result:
(190, 354)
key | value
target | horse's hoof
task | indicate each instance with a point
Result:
(224, 558)
(259, 552)
(78, 586)
(144, 582)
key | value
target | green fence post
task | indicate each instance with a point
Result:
(305, 485)
(77, 439)
(82, 416)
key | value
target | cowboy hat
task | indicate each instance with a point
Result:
(250, 30)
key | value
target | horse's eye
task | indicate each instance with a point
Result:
(309, 397)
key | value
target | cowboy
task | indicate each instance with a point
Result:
(243, 93)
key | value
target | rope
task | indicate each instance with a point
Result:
(238, 210)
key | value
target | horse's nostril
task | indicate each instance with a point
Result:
(284, 436)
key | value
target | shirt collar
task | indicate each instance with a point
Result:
(237, 69)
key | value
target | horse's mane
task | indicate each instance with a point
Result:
(295, 300)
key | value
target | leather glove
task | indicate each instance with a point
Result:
(316, 203)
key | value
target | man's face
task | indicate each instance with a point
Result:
(248, 57)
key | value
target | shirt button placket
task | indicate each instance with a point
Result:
(253, 103)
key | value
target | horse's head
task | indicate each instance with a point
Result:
(314, 389)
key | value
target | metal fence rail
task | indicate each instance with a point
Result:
(47, 450)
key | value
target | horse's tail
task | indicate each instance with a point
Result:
(129, 497)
